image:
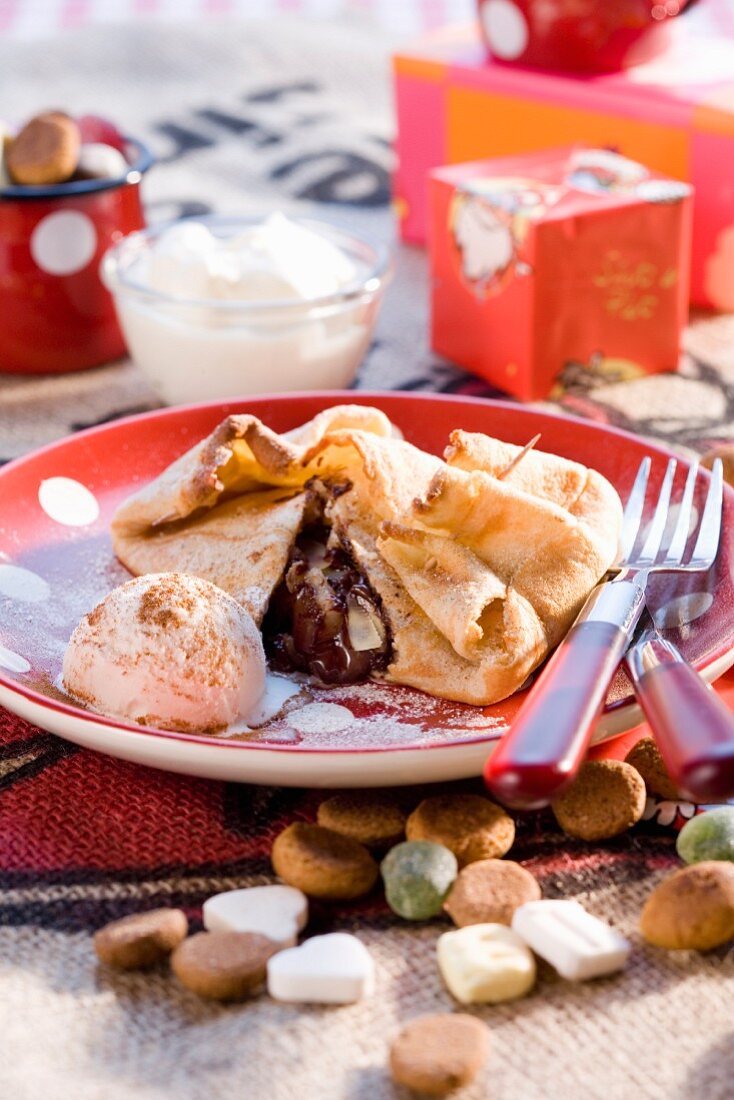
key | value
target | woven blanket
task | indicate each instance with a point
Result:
(297, 116)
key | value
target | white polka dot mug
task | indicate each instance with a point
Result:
(577, 35)
(55, 313)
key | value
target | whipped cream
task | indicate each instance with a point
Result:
(167, 650)
(242, 310)
(276, 260)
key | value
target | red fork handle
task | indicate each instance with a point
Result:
(693, 727)
(550, 736)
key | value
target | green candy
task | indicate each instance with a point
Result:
(708, 836)
(418, 875)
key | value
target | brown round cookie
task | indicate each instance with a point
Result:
(472, 827)
(489, 892)
(142, 939)
(606, 798)
(223, 966)
(693, 909)
(322, 863)
(45, 151)
(646, 759)
(371, 818)
(725, 451)
(437, 1054)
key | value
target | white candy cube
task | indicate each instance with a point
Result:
(485, 964)
(332, 969)
(577, 944)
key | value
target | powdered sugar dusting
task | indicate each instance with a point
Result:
(380, 715)
(373, 715)
(321, 718)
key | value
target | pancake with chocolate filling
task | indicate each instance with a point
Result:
(362, 556)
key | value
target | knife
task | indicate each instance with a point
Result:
(693, 727)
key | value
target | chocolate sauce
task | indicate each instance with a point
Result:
(307, 626)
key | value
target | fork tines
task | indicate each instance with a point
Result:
(657, 552)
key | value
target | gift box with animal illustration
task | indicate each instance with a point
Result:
(558, 261)
(674, 114)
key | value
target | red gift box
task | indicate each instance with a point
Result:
(566, 260)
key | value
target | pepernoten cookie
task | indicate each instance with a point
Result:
(436, 1054)
(45, 151)
(223, 966)
(322, 863)
(470, 826)
(693, 909)
(606, 798)
(371, 818)
(489, 892)
(646, 759)
(142, 939)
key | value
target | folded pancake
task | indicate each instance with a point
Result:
(466, 601)
(551, 555)
(543, 475)
(581, 491)
(458, 631)
(230, 508)
(385, 473)
(239, 456)
(423, 657)
(362, 555)
(241, 545)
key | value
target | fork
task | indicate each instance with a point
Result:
(547, 742)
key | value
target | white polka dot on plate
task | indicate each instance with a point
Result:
(506, 29)
(321, 718)
(13, 662)
(22, 585)
(64, 243)
(68, 501)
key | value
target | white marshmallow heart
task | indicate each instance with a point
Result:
(332, 969)
(278, 912)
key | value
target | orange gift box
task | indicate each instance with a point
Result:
(558, 261)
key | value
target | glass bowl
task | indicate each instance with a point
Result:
(193, 349)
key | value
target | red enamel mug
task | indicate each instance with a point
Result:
(578, 35)
(55, 313)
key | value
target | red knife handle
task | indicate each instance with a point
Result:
(550, 736)
(694, 729)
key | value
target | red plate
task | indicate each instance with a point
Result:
(56, 562)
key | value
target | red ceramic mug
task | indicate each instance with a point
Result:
(578, 35)
(55, 313)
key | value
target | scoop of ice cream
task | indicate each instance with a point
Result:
(167, 650)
